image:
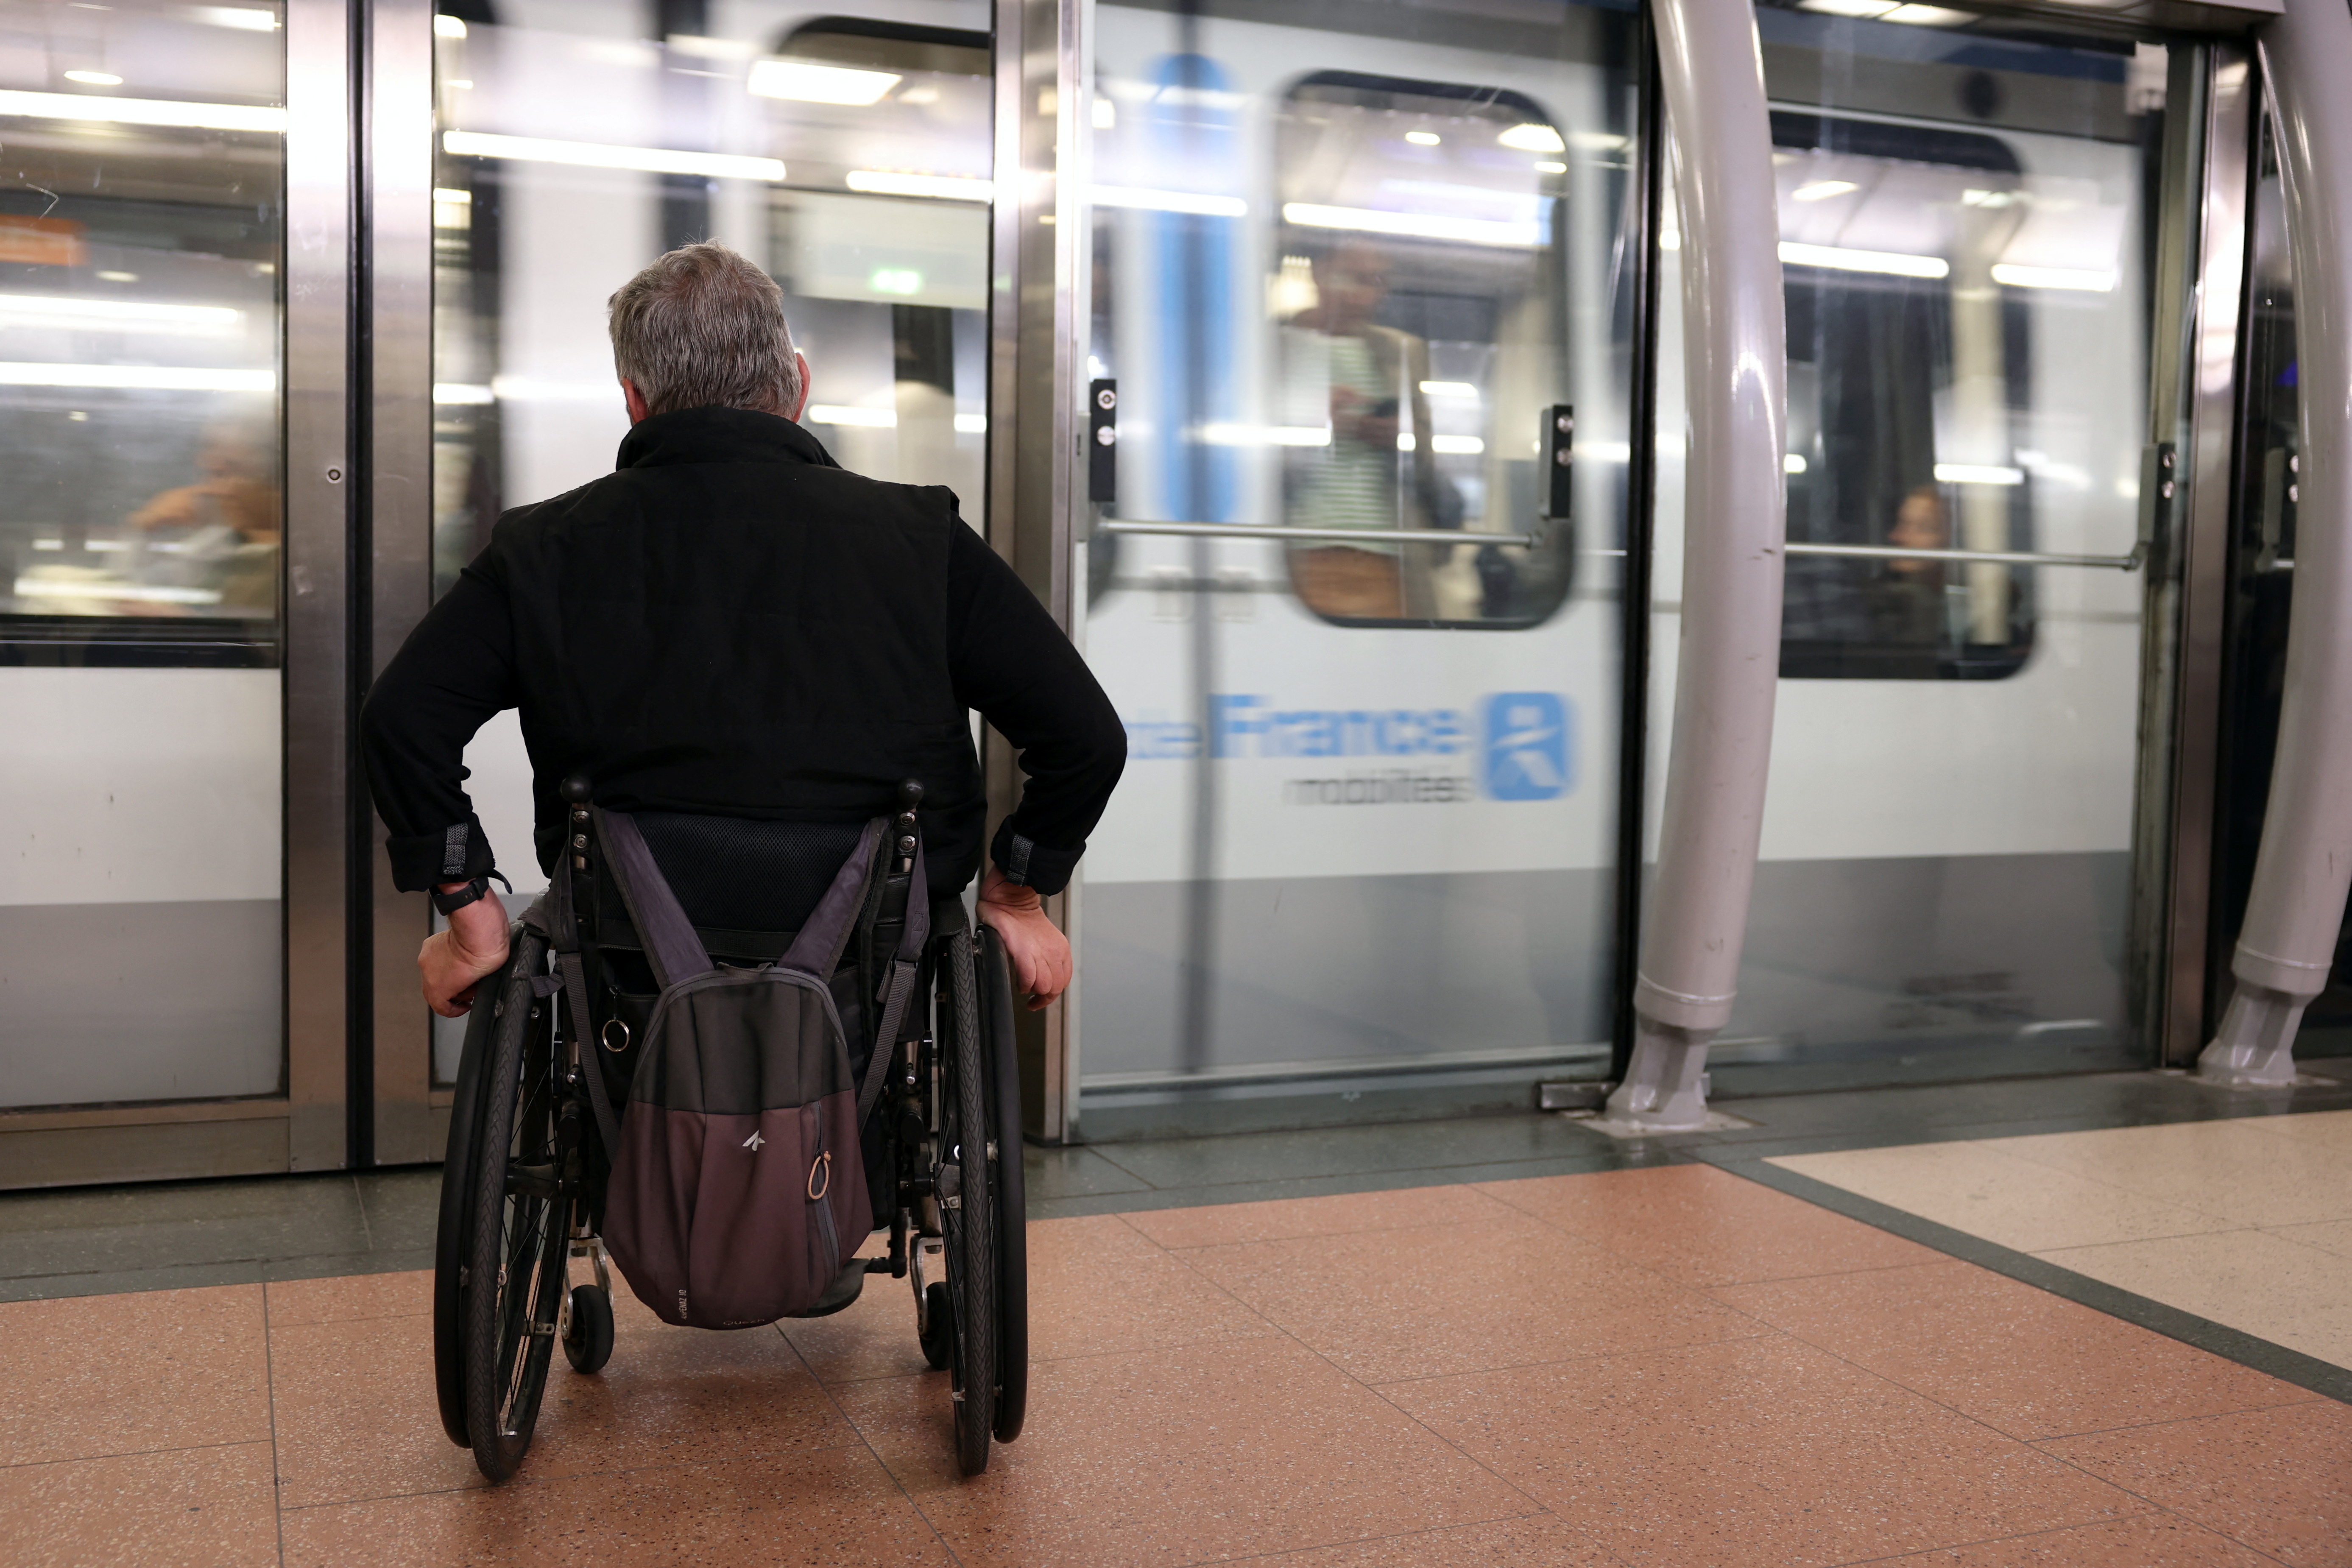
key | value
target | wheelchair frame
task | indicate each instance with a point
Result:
(514, 1202)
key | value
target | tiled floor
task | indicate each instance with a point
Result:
(1671, 1366)
(2247, 1222)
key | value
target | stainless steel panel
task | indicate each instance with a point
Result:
(398, 203)
(79, 1156)
(319, 488)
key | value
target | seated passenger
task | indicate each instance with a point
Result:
(730, 623)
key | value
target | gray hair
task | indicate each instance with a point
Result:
(704, 327)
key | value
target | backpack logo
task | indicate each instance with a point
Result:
(754, 1141)
(1527, 746)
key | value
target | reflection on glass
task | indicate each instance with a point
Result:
(142, 232)
(851, 157)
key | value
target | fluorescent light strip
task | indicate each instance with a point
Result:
(2085, 279)
(1453, 446)
(1794, 463)
(1449, 389)
(1822, 190)
(1977, 474)
(598, 156)
(971, 423)
(1839, 259)
(140, 592)
(839, 413)
(1223, 434)
(806, 83)
(945, 187)
(241, 18)
(143, 377)
(448, 27)
(66, 312)
(1199, 204)
(462, 394)
(142, 111)
(1413, 226)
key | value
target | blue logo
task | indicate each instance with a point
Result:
(1527, 746)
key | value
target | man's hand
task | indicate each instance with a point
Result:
(474, 946)
(1033, 945)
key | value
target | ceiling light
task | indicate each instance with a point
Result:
(449, 28)
(1977, 474)
(245, 19)
(1547, 167)
(1198, 203)
(1449, 389)
(1927, 16)
(1423, 138)
(971, 423)
(1822, 190)
(140, 112)
(144, 377)
(443, 194)
(1893, 263)
(1220, 434)
(111, 276)
(895, 182)
(597, 155)
(838, 414)
(2086, 279)
(1413, 226)
(94, 79)
(1794, 463)
(1848, 7)
(1533, 138)
(67, 312)
(807, 83)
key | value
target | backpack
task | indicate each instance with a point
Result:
(738, 1191)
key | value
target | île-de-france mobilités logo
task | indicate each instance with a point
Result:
(1527, 754)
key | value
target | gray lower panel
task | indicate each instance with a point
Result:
(141, 1002)
(1343, 970)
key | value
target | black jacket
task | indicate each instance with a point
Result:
(730, 622)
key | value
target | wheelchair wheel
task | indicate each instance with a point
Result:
(1006, 1182)
(513, 1287)
(966, 1200)
(453, 1242)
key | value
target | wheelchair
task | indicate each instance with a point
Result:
(522, 1185)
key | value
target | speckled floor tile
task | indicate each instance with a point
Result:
(122, 1374)
(1096, 1286)
(356, 1415)
(2257, 1281)
(1699, 1226)
(833, 1508)
(1752, 1452)
(2146, 1541)
(2278, 1480)
(1341, 1214)
(1438, 1300)
(2329, 1236)
(1536, 1541)
(2233, 1169)
(2005, 1199)
(205, 1507)
(352, 1297)
(1220, 1448)
(2020, 1360)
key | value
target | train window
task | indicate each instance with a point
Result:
(1924, 268)
(1412, 337)
(140, 247)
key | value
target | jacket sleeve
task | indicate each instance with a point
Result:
(1012, 663)
(454, 672)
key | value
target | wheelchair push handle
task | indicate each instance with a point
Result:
(575, 789)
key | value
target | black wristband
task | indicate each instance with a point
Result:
(472, 893)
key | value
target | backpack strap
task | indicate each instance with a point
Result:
(555, 917)
(672, 947)
(824, 935)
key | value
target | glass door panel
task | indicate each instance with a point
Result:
(1944, 880)
(851, 157)
(1343, 277)
(141, 238)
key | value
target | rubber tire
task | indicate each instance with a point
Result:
(588, 1342)
(971, 1246)
(1008, 1189)
(937, 1330)
(498, 1454)
(453, 1242)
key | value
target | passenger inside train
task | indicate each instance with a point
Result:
(1307, 783)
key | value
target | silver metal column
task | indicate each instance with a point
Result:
(399, 531)
(2287, 944)
(319, 177)
(1037, 323)
(1736, 363)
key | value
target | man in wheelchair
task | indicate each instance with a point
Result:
(744, 677)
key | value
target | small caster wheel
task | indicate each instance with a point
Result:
(937, 1327)
(588, 1343)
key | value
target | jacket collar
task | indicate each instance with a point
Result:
(718, 436)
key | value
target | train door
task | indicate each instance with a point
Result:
(1968, 238)
(1363, 299)
(850, 156)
